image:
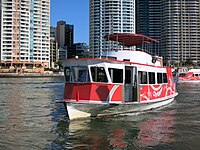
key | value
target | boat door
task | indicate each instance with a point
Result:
(131, 90)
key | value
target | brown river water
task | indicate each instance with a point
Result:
(30, 120)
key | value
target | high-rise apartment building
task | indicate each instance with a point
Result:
(181, 32)
(176, 24)
(53, 48)
(64, 34)
(81, 50)
(149, 22)
(65, 39)
(107, 17)
(25, 31)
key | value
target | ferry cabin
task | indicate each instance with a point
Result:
(192, 75)
(114, 80)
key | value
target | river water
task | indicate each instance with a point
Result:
(30, 120)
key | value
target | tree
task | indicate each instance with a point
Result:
(59, 63)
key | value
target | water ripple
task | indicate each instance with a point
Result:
(30, 119)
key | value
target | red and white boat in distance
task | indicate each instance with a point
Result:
(119, 82)
(188, 75)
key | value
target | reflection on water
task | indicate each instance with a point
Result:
(30, 119)
(157, 130)
(126, 132)
(117, 139)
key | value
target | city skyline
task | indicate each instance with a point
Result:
(75, 13)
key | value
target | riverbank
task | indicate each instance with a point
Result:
(29, 75)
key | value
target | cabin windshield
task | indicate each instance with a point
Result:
(76, 74)
(98, 74)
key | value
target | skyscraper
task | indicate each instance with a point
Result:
(181, 32)
(65, 39)
(64, 34)
(25, 31)
(149, 21)
(53, 48)
(107, 17)
(176, 24)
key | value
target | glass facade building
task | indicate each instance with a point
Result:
(64, 34)
(65, 39)
(149, 21)
(181, 32)
(107, 17)
(25, 31)
(176, 23)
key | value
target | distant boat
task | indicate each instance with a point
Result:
(192, 75)
(119, 82)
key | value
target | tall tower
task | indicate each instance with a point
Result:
(176, 24)
(107, 17)
(181, 32)
(64, 34)
(25, 31)
(65, 39)
(53, 48)
(149, 21)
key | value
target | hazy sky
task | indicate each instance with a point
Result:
(74, 12)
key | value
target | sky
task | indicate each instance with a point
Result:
(74, 12)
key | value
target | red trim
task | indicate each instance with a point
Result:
(129, 39)
(92, 91)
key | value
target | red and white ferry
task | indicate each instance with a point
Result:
(119, 82)
(189, 75)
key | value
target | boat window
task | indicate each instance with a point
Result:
(182, 74)
(67, 74)
(196, 75)
(116, 75)
(98, 74)
(142, 77)
(80, 74)
(159, 78)
(162, 78)
(165, 78)
(151, 77)
(128, 76)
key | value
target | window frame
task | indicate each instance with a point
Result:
(142, 78)
(113, 76)
(97, 76)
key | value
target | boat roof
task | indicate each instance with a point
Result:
(145, 60)
(130, 39)
(133, 56)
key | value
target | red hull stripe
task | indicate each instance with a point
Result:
(93, 91)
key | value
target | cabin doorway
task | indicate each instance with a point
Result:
(131, 84)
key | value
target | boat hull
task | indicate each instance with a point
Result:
(78, 110)
(189, 81)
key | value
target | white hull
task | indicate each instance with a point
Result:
(84, 110)
(189, 81)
